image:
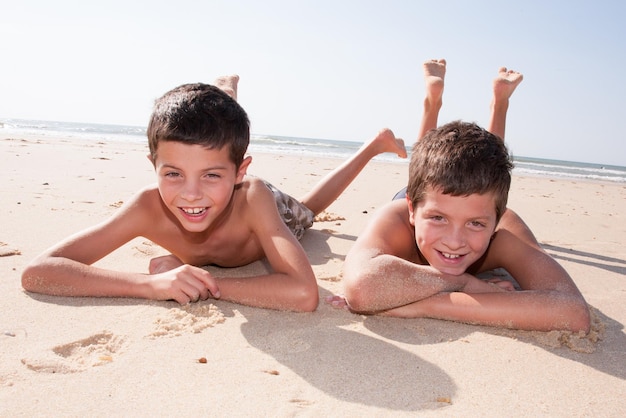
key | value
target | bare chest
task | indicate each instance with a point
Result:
(230, 245)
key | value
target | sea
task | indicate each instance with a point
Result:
(275, 144)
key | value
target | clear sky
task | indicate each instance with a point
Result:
(332, 69)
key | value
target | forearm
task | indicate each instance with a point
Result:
(64, 277)
(385, 282)
(272, 291)
(540, 310)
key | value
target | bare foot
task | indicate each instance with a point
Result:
(386, 141)
(228, 84)
(505, 83)
(434, 74)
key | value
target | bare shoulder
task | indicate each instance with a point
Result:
(142, 211)
(145, 200)
(390, 232)
(512, 235)
(512, 223)
(515, 248)
(251, 193)
(255, 204)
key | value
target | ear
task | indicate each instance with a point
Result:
(243, 169)
(151, 159)
(411, 211)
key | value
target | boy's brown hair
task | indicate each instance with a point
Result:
(200, 114)
(460, 159)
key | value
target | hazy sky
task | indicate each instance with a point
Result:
(328, 69)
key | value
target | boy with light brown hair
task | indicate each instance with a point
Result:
(419, 255)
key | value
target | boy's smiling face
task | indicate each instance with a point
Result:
(196, 184)
(453, 232)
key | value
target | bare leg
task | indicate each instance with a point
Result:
(434, 74)
(503, 87)
(332, 185)
(228, 84)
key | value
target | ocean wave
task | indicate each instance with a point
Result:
(592, 176)
(291, 141)
(321, 148)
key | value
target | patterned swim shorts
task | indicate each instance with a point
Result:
(296, 216)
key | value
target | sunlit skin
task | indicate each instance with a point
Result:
(453, 232)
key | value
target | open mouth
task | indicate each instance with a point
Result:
(194, 211)
(450, 256)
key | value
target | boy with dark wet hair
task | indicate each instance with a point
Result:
(204, 210)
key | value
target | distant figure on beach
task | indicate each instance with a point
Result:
(204, 210)
(419, 254)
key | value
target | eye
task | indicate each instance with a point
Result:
(477, 224)
(172, 174)
(213, 176)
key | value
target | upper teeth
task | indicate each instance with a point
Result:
(193, 211)
(446, 255)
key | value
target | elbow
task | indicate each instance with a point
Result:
(304, 296)
(357, 293)
(30, 279)
(357, 301)
(573, 314)
(580, 320)
(306, 299)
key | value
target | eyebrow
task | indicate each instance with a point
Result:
(219, 167)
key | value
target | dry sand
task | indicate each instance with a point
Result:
(126, 357)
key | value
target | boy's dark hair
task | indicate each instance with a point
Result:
(200, 114)
(460, 159)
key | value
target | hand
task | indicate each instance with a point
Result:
(475, 285)
(337, 301)
(502, 284)
(184, 284)
(164, 263)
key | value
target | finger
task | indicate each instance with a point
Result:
(192, 290)
(209, 282)
(182, 298)
(201, 280)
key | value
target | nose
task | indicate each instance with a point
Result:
(455, 238)
(191, 191)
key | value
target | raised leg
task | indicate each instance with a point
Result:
(334, 183)
(503, 87)
(434, 74)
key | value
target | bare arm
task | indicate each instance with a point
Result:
(66, 268)
(548, 300)
(291, 285)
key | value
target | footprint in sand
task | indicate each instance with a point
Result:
(188, 319)
(78, 356)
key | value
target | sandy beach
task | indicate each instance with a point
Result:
(128, 357)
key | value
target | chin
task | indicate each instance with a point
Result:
(452, 271)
